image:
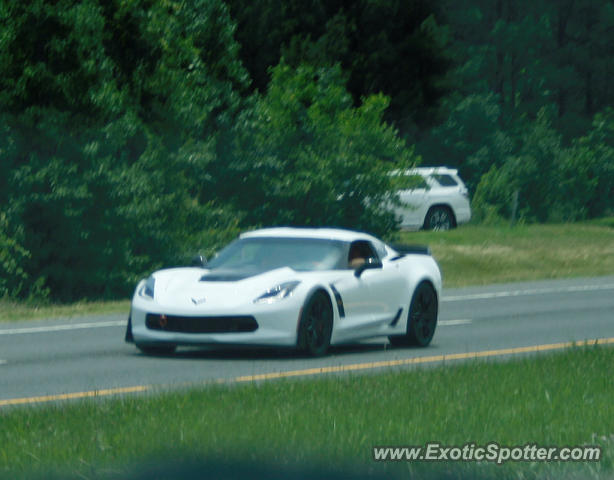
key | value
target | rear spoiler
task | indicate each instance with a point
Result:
(412, 249)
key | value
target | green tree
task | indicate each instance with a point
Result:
(14, 280)
(305, 156)
(589, 169)
(471, 139)
(394, 47)
(554, 182)
(529, 77)
(536, 54)
(112, 113)
(532, 171)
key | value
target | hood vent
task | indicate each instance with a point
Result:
(228, 275)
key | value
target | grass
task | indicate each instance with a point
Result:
(14, 311)
(482, 255)
(552, 400)
(469, 255)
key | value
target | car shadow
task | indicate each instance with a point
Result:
(241, 352)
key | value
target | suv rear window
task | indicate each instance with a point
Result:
(445, 180)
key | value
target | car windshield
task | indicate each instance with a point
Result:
(268, 253)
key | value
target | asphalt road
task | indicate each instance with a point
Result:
(71, 358)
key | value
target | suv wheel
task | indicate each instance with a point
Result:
(439, 218)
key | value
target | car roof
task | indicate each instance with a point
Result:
(432, 171)
(425, 171)
(308, 232)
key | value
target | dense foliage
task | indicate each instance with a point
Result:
(110, 113)
(394, 47)
(530, 108)
(135, 132)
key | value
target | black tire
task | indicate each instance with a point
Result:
(156, 349)
(128, 338)
(316, 325)
(439, 219)
(421, 318)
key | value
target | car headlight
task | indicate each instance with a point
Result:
(147, 290)
(278, 292)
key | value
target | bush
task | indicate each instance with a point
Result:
(13, 278)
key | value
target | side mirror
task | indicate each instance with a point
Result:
(198, 261)
(370, 264)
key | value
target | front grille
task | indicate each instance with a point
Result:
(225, 324)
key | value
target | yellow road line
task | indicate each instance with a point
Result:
(72, 396)
(323, 370)
(419, 360)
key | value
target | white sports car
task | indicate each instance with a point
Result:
(303, 287)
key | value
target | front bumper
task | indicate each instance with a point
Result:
(276, 324)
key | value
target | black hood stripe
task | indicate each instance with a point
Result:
(230, 275)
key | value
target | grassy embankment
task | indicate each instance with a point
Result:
(555, 400)
(482, 255)
(470, 255)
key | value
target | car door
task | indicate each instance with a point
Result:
(369, 299)
(414, 201)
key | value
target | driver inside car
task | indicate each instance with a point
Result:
(356, 257)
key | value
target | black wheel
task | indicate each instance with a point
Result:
(421, 319)
(156, 349)
(316, 325)
(439, 218)
(128, 338)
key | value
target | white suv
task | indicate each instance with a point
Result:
(437, 199)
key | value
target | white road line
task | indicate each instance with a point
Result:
(460, 321)
(2, 362)
(518, 293)
(58, 328)
(451, 298)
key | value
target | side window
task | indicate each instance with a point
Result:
(408, 182)
(380, 249)
(445, 180)
(360, 251)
